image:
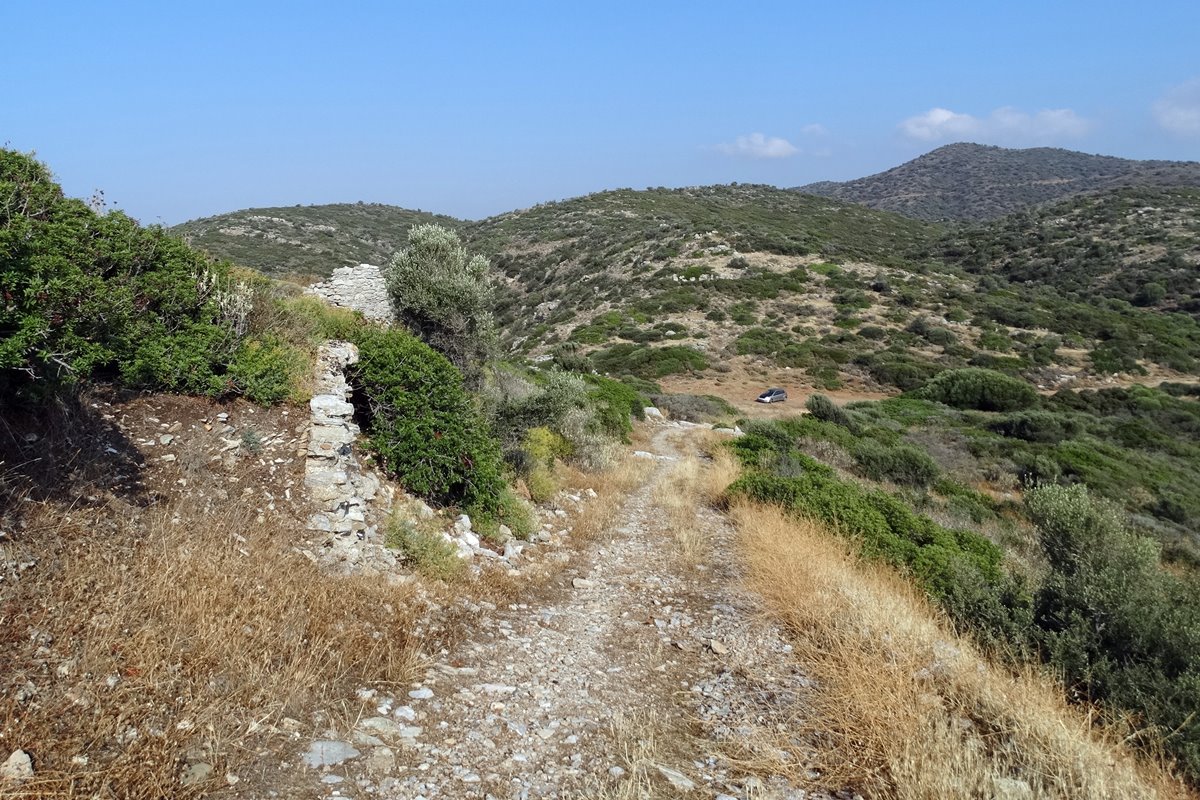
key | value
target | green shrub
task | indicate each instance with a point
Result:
(1036, 426)
(424, 548)
(268, 371)
(87, 292)
(693, 407)
(1114, 621)
(826, 410)
(541, 483)
(423, 425)
(442, 294)
(873, 332)
(544, 446)
(649, 362)
(614, 404)
(900, 463)
(488, 514)
(979, 389)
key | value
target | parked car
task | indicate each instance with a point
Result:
(772, 396)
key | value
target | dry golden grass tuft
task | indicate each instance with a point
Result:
(679, 495)
(151, 637)
(903, 707)
(611, 486)
(644, 742)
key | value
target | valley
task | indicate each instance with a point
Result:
(501, 518)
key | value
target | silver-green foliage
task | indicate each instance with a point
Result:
(443, 295)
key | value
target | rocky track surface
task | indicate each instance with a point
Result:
(636, 674)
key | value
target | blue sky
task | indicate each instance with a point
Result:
(184, 110)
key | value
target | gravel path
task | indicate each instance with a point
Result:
(631, 678)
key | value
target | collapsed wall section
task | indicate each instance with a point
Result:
(360, 288)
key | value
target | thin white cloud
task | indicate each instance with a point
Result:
(1006, 125)
(814, 129)
(1178, 111)
(757, 145)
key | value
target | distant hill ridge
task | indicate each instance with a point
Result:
(980, 182)
(307, 241)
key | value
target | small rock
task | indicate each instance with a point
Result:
(1011, 789)
(18, 768)
(424, 693)
(381, 761)
(166, 438)
(718, 647)
(196, 773)
(167, 457)
(676, 778)
(327, 753)
(583, 583)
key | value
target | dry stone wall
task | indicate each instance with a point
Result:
(360, 288)
(350, 500)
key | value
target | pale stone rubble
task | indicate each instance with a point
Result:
(360, 288)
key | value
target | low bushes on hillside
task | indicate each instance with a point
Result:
(1119, 626)
(959, 569)
(979, 389)
(694, 407)
(649, 362)
(1091, 599)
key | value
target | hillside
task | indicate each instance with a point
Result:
(978, 182)
(254, 545)
(753, 282)
(306, 241)
(1138, 245)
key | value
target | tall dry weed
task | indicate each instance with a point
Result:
(151, 638)
(903, 707)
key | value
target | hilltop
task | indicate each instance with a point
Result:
(979, 182)
(306, 241)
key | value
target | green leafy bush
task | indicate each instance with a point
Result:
(423, 425)
(826, 410)
(425, 548)
(86, 292)
(980, 389)
(1113, 620)
(488, 514)
(649, 362)
(693, 407)
(614, 404)
(900, 463)
(1036, 426)
(442, 294)
(267, 371)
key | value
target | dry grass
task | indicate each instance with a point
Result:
(151, 637)
(678, 494)
(643, 742)
(904, 708)
(611, 486)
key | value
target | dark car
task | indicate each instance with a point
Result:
(772, 396)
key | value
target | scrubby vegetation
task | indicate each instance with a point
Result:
(443, 295)
(1064, 577)
(87, 294)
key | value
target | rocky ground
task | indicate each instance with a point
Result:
(634, 674)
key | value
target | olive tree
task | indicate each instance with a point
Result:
(442, 294)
